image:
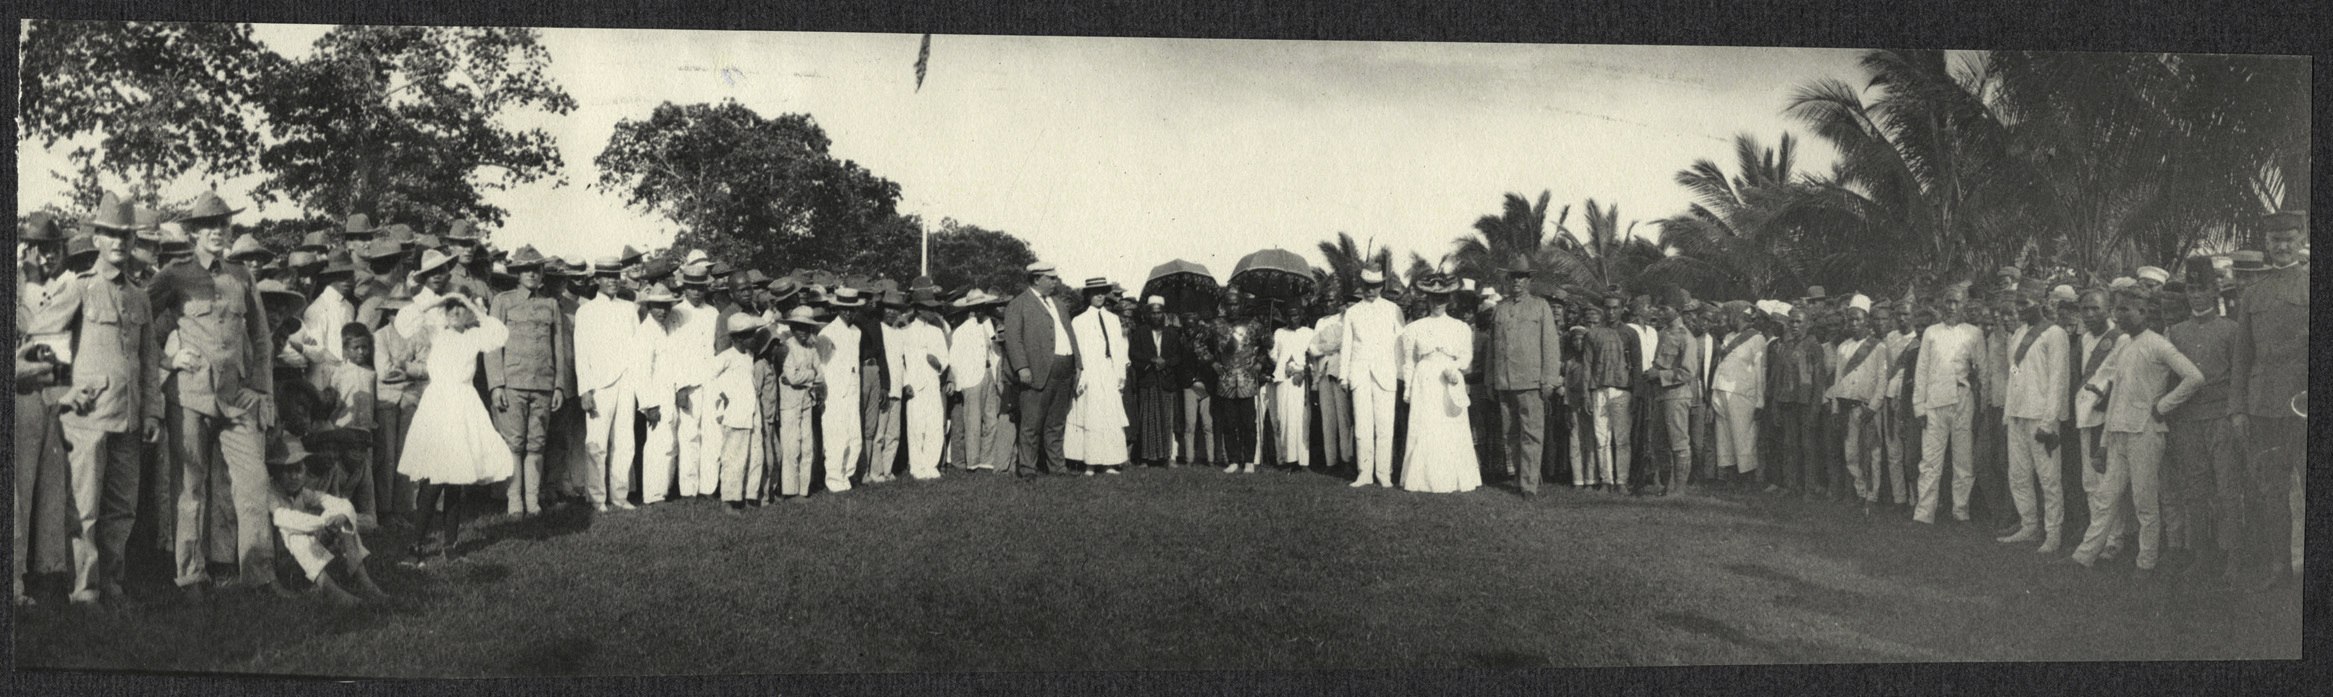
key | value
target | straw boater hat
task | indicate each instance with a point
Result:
(2245, 261)
(607, 267)
(1097, 284)
(694, 277)
(1371, 275)
(847, 296)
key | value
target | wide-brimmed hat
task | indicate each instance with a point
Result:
(273, 287)
(381, 249)
(926, 297)
(208, 207)
(972, 298)
(847, 296)
(1815, 294)
(525, 258)
(285, 452)
(399, 233)
(304, 260)
(114, 215)
(80, 246)
(432, 260)
(338, 263)
(742, 323)
(629, 256)
(248, 246)
(1519, 267)
(720, 269)
(358, 226)
(922, 282)
(783, 288)
(462, 232)
(803, 317)
(39, 227)
(1437, 284)
(752, 278)
(657, 294)
(317, 241)
(894, 298)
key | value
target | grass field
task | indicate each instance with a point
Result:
(1189, 569)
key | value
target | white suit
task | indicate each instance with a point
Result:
(661, 455)
(608, 366)
(838, 425)
(1371, 368)
(692, 353)
(924, 356)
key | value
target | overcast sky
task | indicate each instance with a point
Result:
(1112, 155)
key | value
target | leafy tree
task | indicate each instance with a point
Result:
(760, 191)
(405, 122)
(967, 255)
(165, 99)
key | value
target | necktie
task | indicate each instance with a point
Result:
(1104, 330)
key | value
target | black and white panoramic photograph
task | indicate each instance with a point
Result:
(438, 351)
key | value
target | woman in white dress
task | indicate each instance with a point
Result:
(1096, 431)
(1435, 353)
(452, 444)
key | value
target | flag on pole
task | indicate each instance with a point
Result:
(923, 58)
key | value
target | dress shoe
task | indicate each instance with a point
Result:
(2022, 535)
(1358, 483)
(2048, 546)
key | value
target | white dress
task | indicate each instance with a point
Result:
(452, 440)
(1096, 429)
(1440, 453)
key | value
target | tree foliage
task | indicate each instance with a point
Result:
(764, 191)
(163, 99)
(966, 255)
(405, 122)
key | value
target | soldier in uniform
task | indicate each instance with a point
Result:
(2269, 367)
(530, 376)
(1526, 369)
(226, 400)
(115, 405)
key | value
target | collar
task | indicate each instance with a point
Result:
(107, 271)
(206, 259)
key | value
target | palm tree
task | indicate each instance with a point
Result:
(1345, 261)
(1740, 236)
(1520, 231)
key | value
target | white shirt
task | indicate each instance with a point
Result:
(323, 320)
(895, 351)
(692, 344)
(1372, 347)
(925, 355)
(968, 354)
(2036, 387)
(657, 381)
(1947, 364)
(1289, 349)
(607, 341)
(1104, 341)
(1648, 337)
(1060, 333)
(838, 361)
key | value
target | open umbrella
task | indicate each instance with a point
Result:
(1186, 286)
(1273, 273)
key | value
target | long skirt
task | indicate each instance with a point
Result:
(1154, 422)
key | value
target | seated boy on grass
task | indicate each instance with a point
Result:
(319, 529)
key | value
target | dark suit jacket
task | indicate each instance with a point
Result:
(1142, 349)
(1029, 337)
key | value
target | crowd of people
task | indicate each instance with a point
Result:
(229, 405)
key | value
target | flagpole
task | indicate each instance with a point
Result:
(927, 252)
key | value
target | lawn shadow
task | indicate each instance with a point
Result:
(559, 521)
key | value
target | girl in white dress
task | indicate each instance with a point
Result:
(1435, 353)
(452, 445)
(1095, 433)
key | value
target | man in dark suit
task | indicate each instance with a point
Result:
(1042, 355)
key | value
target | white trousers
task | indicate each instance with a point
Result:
(2029, 463)
(608, 446)
(1288, 414)
(838, 428)
(926, 432)
(660, 453)
(696, 478)
(1948, 426)
(1373, 410)
(2134, 466)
